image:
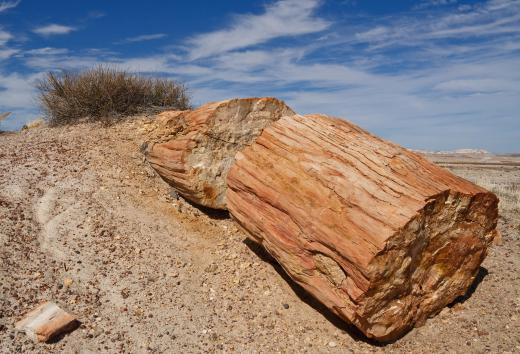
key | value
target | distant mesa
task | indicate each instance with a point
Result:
(457, 151)
(467, 151)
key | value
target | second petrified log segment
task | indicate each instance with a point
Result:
(378, 234)
(203, 144)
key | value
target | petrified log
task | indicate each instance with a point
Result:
(378, 234)
(203, 144)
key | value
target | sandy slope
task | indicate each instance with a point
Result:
(151, 273)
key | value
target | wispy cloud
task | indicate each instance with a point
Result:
(493, 18)
(281, 19)
(46, 51)
(6, 5)
(7, 53)
(4, 37)
(95, 15)
(143, 38)
(17, 95)
(432, 3)
(53, 29)
(17, 91)
(61, 61)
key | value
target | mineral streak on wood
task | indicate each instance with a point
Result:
(378, 234)
(203, 143)
(46, 321)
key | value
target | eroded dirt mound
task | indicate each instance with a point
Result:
(86, 223)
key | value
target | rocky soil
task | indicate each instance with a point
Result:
(85, 222)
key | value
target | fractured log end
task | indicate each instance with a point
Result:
(428, 263)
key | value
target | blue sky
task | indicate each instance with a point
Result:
(429, 74)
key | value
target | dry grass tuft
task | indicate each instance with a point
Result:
(507, 192)
(105, 94)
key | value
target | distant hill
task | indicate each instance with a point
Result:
(457, 151)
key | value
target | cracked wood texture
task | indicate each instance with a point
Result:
(378, 234)
(202, 144)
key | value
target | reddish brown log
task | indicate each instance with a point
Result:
(378, 234)
(203, 143)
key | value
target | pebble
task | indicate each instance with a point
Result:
(332, 344)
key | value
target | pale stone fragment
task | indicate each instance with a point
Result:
(46, 322)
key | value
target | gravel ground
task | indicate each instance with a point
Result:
(86, 223)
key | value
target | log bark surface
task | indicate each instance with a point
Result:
(378, 234)
(202, 144)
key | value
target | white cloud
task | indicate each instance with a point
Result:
(476, 86)
(5, 37)
(7, 53)
(496, 26)
(281, 19)
(376, 33)
(18, 95)
(53, 29)
(54, 59)
(95, 14)
(144, 37)
(61, 62)
(490, 19)
(46, 51)
(500, 4)
(17, 91)
(6, 5)
(146, 64)
(432, 3)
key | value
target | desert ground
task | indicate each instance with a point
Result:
(86, 223)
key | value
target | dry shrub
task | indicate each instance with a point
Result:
(105, 94)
